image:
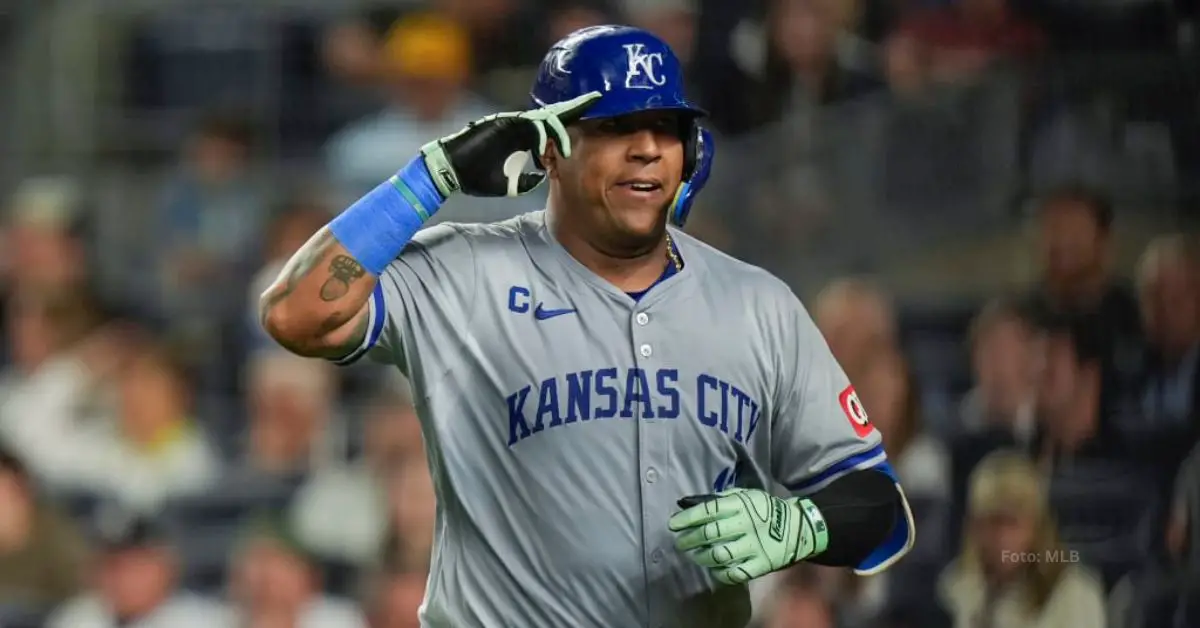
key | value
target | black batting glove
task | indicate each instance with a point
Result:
(488, 157)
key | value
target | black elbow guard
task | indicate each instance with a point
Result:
(860, 509)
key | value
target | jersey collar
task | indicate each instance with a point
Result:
(671, 284)
(668, 271)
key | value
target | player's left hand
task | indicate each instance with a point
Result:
(742, 534)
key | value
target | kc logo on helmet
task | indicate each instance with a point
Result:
(644, 68)
(562, 60)
(855, 411)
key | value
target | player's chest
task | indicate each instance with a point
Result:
(570, 359)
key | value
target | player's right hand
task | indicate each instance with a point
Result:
(488, 157)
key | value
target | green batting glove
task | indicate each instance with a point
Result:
(742, 534)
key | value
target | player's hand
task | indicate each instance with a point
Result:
(488, 157)
(742, 534)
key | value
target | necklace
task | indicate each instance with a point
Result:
(671, 255)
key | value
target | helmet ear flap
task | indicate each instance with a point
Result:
(691, 139)
(697, 164)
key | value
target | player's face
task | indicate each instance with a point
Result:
(622, 174)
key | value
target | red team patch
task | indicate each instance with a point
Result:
(855, 412)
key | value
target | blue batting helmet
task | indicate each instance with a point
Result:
(634, 71)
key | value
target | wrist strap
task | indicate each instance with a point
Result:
(376, 228)
(440, 170)
(814, 532)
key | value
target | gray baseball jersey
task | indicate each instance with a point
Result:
(563, 419)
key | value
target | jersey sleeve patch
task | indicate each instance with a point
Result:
(855, 412)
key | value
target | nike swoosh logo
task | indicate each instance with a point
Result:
(541, 313)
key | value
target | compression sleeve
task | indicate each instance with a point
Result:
(861, 509)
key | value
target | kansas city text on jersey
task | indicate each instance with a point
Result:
(611, 393)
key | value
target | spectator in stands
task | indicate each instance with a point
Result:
(60, 365)
(212, 213)
(963, 39)
(152, 449)
(291, 415)
(1075, 233)
(1004, 357)
(797, 99)
(1169, 286)
(350, 51)
(499, 32)
(857, 320)
(812, 58)
(964, 123)
(341, 512)
(412, 507)
(136, 583)
(426, 65)
(1107, 479)
(1013, 572)
(1000, 412)
(44, 246)
(274, 582)
(395, 598)
(41, 553)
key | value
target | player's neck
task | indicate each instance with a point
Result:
(632, 274)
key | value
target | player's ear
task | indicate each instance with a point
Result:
(549, 160)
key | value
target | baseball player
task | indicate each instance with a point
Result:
(623, 425)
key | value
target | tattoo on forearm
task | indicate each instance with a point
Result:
(343, 271)
(338, 277)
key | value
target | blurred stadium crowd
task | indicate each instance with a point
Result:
(985, 203)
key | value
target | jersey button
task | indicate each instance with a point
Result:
(642, 318)
(645, 351)
(651, 475)
(656, 556)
